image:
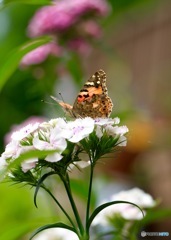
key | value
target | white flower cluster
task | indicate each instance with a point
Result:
(54, 135)
(126, 211)
(56, 233)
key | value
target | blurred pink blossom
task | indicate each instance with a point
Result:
(40, 54)
(91, 28)
(64, 14)
(14, 128)
(79, 45)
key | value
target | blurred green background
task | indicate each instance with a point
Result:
(135, 53)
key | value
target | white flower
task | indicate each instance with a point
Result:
(59, 125)
(55, 134)
(12, 150)
(136, 196)
(106, 125)
(25, 131)
(29, 164)
(99, 131)
(58, 121)
(83, 164)
(63, 131)
(106, 121)
(80, 128)
(53, 157)
(3, 163)
(55, 142)
(103, 121)
(56, 233)
(127, 211)
(79, 164)
(116, 120)
(122, 141)
(53, 123)
(113, 131)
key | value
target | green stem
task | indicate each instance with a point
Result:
(66, 182)
(89, 197)
(60, 206)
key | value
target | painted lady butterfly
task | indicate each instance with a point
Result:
(92, 101)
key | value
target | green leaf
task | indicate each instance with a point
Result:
(108, 233)
(103, 206)
(5, 3)
(154, 215)
(15, 230)
(12, 61)
(96, 147)
(25, 156)
(54, 225)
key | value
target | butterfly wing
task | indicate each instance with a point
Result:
(93, 99)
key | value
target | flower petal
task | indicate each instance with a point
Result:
(54, 157)
(29, 164)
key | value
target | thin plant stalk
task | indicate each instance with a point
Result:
(89, 196)
(66, 182)
(60, 206)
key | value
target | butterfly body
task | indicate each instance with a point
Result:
(92, 100)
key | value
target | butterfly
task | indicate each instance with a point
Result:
(92, 100)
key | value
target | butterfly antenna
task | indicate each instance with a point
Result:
(60, 94)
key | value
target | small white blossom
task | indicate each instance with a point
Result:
(55, 142)
(114, 131)
(56, 233)
(121, 130)
(122, 141)
(58, 121)
(127, 211)
(3, 163)
(116, 120)
(29, 164)
(136, 196)
(58, 125)
(53, 157)
(79, 164)
(25, 131)
(99, 131)
(12, 150)
(83, 164)
(80, 128)
(63, 131)
(106, 121)
(55, 135)
(53, 123)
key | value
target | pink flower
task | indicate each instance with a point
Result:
(40, 54)
(63, 15)
(91, 28)
(79, 45)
